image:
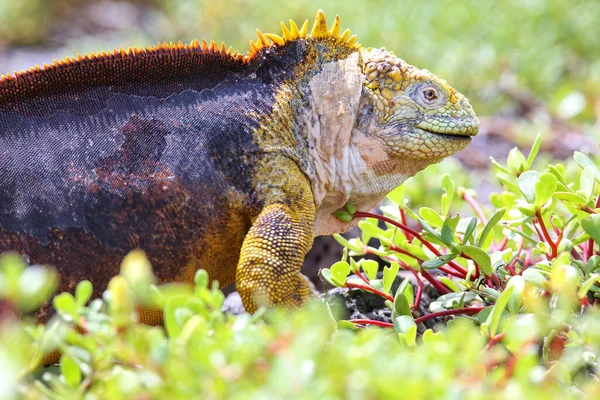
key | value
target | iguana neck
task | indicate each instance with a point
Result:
(348, 164)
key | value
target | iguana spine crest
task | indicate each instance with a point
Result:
(318, 32)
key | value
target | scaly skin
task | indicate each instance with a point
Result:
(208, 159)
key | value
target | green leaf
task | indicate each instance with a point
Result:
(389, 276)
(508, 181)
(535, 277)
(516, 161)
(544, 188)
(435, 235)
(586, 182)
(339, 272)
(449, 282)
(406, 288)
(397, 196)
(585, 162)
(527, 182)
(493, 320)
(65, 302)
(432, 217)
(83, 292)
(447, 231)
(535, 148)
(514, 303)
(478, 256)
(401, 305)
(470, 229)
(448, 195)
(499, 166)
(587, 285)
(403, 323)
(370, 267)
(438, 262)
(409, 337)
(369, 230)
(351, 208)
(343, 215)
(70, 371)
(346, 243)
(328, 276)
(571, 197)
(591, 225)
(456, 299)
(201, 279)
(490, 225)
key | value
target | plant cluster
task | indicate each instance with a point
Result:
(518, 288)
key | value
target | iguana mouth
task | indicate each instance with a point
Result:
(448, 136)
(463, 130)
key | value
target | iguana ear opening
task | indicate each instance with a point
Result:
(364, 114)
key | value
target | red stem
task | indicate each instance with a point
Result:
(369, 289)
(503, 244)
(553, 245)
(470, 310)
(475, 206)
(419, 293)
(371, 322)
(435, 283)
(511, 266)
(493, 341)
(442, 268)
(403, 219)
(361, 276)
(362, 214)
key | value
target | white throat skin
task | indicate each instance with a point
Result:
(350, 166)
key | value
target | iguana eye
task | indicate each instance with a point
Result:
(430, 94)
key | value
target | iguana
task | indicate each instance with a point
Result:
(207, 158)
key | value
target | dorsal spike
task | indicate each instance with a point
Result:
(253, 47)
(345, 36)
(262, 40)
(352, 41)
(304, 29)
(319, 29)
(294, 30)
(334, 32)
(287, 35)
(275, 39)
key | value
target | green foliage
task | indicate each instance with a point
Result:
(534, 262)
(518, 292)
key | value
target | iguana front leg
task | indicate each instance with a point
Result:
(268, 273)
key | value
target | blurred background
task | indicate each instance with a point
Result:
(527, 66)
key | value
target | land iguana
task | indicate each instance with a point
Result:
(208, 158)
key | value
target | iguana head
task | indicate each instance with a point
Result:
(371, 119)
(414, 113)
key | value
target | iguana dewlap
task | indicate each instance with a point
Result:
(209, 159)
